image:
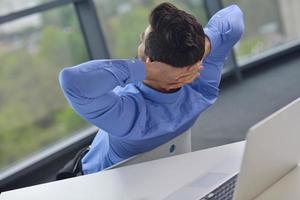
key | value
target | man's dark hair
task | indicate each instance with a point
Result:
(176, 38)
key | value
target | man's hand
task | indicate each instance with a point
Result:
(168, 77)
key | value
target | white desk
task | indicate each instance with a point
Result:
(152, 180)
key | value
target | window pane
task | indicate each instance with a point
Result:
(124, 20)
(269, 24)
(9, 6)
(33, 111)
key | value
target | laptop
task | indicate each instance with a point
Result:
(272, 151)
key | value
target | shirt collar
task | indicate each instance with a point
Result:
(157, 96)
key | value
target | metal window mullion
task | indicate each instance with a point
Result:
(91, 29)
(36, 9)
(212, 6)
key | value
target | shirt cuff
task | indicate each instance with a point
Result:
(137, 70)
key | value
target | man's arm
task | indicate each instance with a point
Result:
(88, 88)
(223, 30)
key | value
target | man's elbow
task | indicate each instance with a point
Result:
(237, 22)
(66, 79)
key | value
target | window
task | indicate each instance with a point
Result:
(9, 6)
(123, 21)
(268, 27)
(33, 111)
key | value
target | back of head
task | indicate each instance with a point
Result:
(176, 38)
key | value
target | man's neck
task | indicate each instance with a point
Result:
(156, 87)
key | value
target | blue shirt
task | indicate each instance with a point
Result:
(134, 118)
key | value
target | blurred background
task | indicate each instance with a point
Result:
(40, 37)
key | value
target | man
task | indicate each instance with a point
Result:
(141, 104)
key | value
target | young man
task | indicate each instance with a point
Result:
(141, 104)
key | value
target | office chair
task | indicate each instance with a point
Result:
(179, 145)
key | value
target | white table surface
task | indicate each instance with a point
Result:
(152, 180)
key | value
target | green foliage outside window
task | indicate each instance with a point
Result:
(33, 111)
(124, 21)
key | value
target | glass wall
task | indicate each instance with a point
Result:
(9, 6)
(124, 20)
(270, 25)
(33, 111)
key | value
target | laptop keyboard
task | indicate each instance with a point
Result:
(223, 192)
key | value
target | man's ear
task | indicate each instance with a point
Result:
(148, 60)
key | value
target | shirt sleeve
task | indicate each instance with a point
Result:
(88, 87)
(223, 30)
